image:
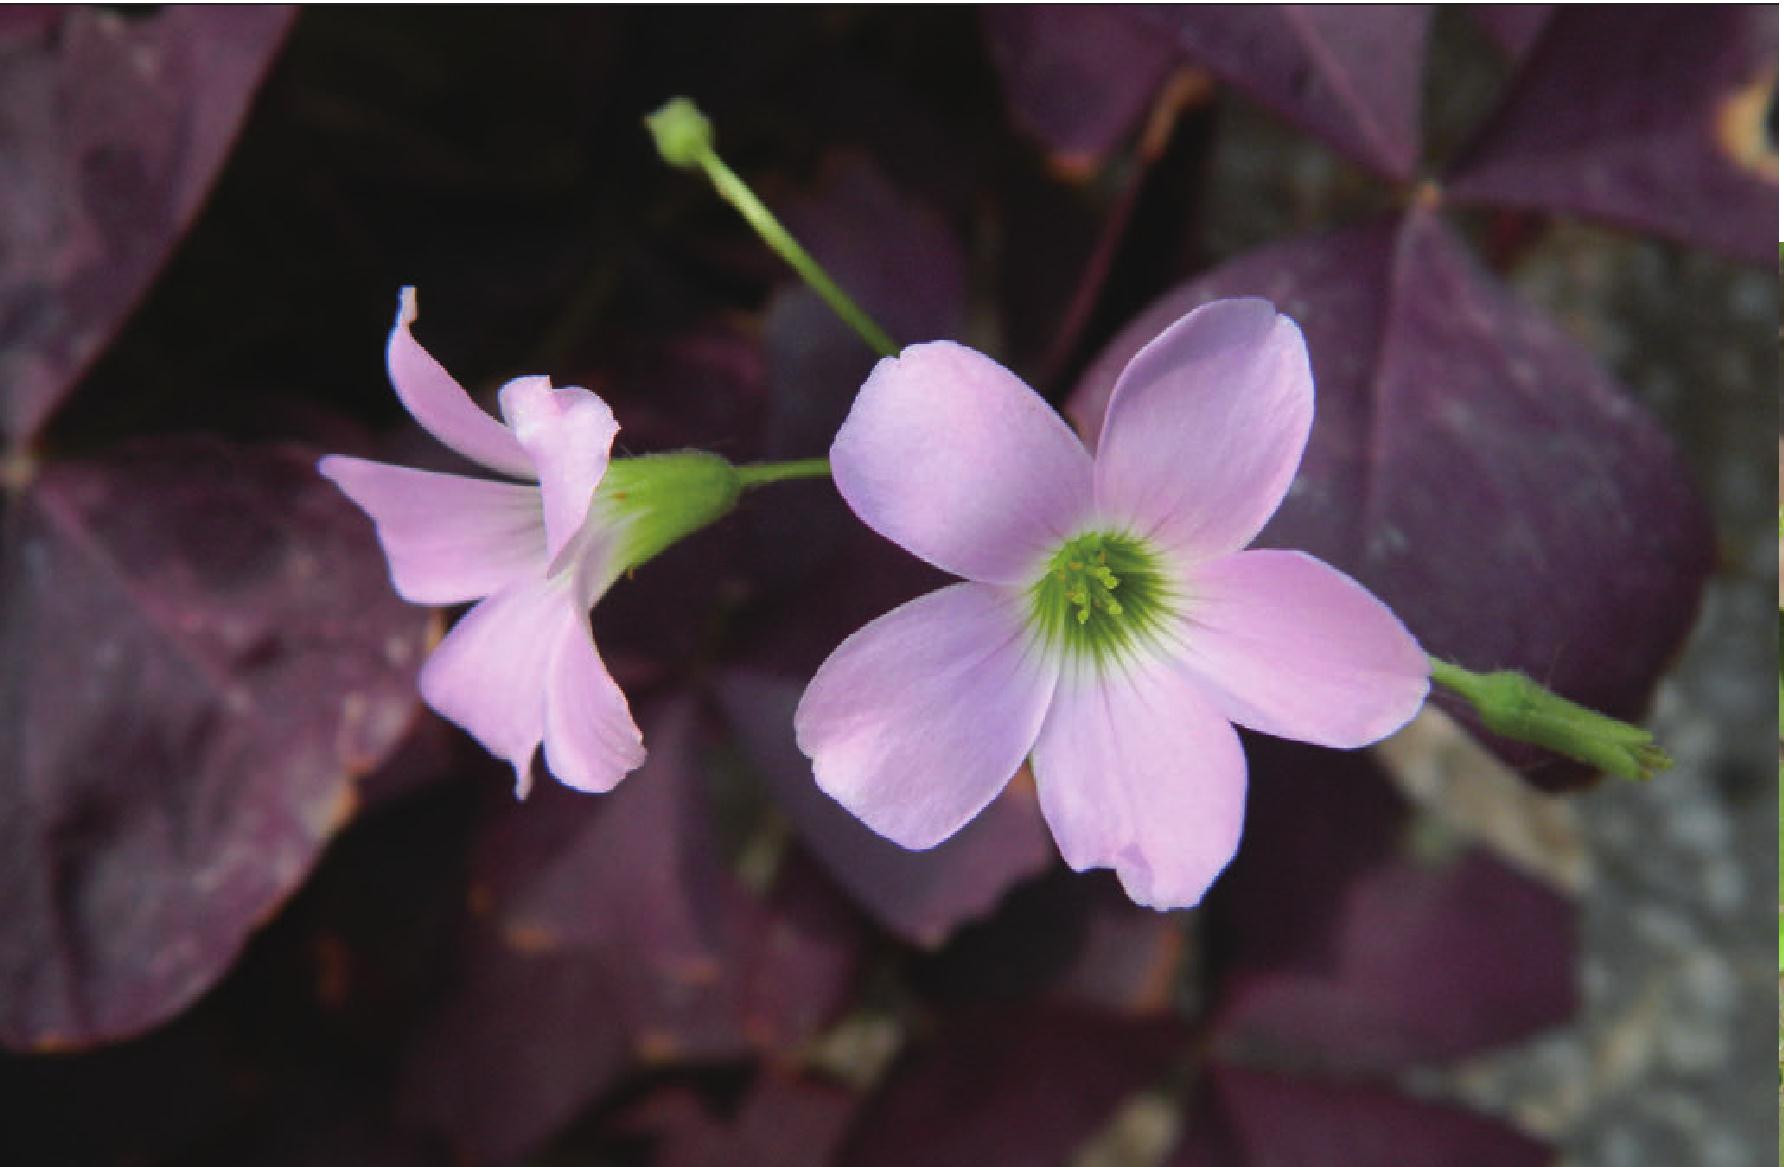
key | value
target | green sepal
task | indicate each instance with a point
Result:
(655, 501)
(1514, 706)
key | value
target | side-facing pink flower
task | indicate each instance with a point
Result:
(521, 667)
(1113, 624)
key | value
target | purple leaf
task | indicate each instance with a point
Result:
(607, 933)
(112, 129)
(201, 651)
(1009, 1087)
(1077, 259)
(1513, 27)
(1653, 118)
(1348, 74)
(1471, 464)
(677, 383)
(783, 1122)
(921, 896)
(1340, 941)
(1077, 78)
(523, 1041)
(1250, 1119)
(1073, 938)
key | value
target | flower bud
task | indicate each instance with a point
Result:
(1514, 706)
(682, 133)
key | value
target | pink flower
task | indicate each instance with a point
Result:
(521, 667)
(1113, 626)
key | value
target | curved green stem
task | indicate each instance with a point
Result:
(684, 138)
(762, 473)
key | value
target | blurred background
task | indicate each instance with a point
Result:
(257, 905)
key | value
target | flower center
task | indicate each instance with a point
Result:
(1101, 593)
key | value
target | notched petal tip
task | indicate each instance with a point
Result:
(1138, 772)
(568, 433)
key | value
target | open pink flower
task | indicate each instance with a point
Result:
(1113, 625)
(521, 667)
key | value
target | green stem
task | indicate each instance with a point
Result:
(761, 473)
(684, 137)
(1514, 706)
(734, 191)
(1450, 676)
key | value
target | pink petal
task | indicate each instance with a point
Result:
(591, 741)
(1139, 772)
(489, 675)
(568, 434)
(951, 457)
(591, 555)
(442, 406)
(1206, 428)
(448, 538)
(919, 719)
(1292, 647)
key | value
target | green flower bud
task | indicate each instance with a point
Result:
(683, 135)
(1514, 706)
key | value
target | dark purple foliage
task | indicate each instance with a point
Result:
(1470, 463)
(1016, 1086)
(782, 1122)
(217, 772)
(201, 652)
(1251, 1119)
(1513, 27)
(112, 129)
(1071, 938)
(1053, 61)
(1660, 119)
(1339, 941)
(609, 932)
(1348, 75)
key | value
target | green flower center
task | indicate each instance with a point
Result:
(1102, 593)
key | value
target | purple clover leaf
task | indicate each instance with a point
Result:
(201, 654)
(114, 130)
